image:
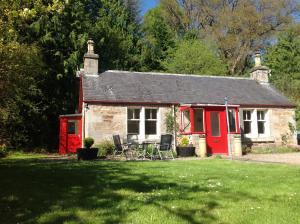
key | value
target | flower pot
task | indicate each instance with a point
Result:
(185, 151)
(87, 154)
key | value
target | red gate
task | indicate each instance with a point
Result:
(70, 133)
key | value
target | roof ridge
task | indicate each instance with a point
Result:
(175, 74)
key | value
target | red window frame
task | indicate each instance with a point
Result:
(237, 122)
(192, 120)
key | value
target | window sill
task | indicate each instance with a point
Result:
(259, 139)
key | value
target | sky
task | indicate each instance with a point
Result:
(147, 4)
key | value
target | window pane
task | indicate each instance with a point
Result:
(186, 123)
(147, 113)
(133, 127)
(133, 114)
(231, 115)
(151, 113)
(130, 113)
(261, 115)
(261, 127)
(72, 127)
(150, 127)
(246, 115)
(215, 123)
(247, 127)
(136, 113)
(198, 116)
(154, 114)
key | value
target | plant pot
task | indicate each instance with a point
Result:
(185, 151)
(87, 154)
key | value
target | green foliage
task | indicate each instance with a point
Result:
(170, 122)
(284, 60)
(183, 140)
(157, 40)
(105, 147)
(41, 44)
(195, 57)
(3, 151)
(88, 142)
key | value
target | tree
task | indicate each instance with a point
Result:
(195, 57)
(21, 112)
(238, 27)
(284, 60)
(59, 31)
(157, 40)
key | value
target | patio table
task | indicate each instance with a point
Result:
(146, 144)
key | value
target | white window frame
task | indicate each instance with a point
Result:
(254, 122)
(151, 119)
(133, 119)
(142, 124)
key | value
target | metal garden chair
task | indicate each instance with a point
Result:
(165, 145)
(120, 149)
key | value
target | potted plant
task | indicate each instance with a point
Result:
(87, 153)
(184, 148)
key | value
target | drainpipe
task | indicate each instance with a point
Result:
(174, 128)
(228, 128)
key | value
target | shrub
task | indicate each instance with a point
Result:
(105, 147)
(3, 151)
(88, 142)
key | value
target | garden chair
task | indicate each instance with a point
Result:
(120, 149)
(165, 145)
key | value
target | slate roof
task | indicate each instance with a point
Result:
(137, 87)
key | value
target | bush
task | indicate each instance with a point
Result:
(88, 142)
(105, 147)
(3, 151)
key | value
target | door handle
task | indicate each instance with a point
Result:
(216, 141)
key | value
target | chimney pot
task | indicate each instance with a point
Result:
(90, 44)
(260, 73)
(91, 59)
(257, 59)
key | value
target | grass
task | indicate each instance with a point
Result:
(274, 150)
(37, 190)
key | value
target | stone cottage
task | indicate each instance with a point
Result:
(219, 111)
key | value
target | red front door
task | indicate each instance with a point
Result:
(216, 130)
(70, 134)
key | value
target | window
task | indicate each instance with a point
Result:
(215, 124)
(150, 121)
(231, 118)
(261, 122)
(247, 121)
(198, 120)
(133, 121)
(185, 121)
(72, 127)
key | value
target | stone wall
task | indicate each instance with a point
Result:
(281, 121)
(102, 121)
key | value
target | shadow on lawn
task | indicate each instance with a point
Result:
(52, 192)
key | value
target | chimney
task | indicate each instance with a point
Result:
(91, 59)
(260, 73)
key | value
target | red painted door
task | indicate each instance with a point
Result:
(73, 134)
(70, 134)
(216, 130)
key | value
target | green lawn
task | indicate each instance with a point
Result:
(34, 190)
